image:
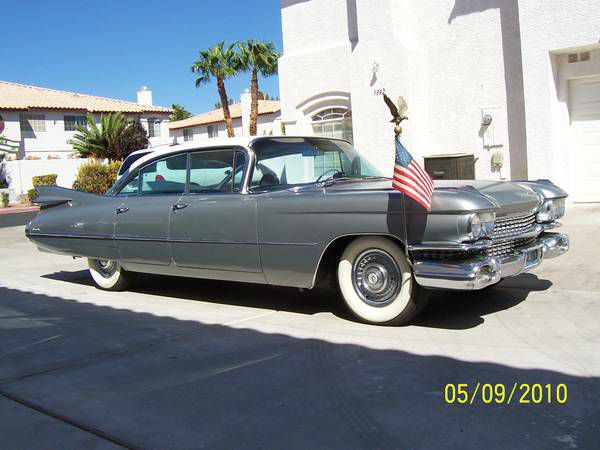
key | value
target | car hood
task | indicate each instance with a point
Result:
(505, 197)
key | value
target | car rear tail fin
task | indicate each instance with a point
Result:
(49, 196)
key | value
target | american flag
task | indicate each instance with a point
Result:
(410, 178)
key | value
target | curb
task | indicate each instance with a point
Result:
(18, 209)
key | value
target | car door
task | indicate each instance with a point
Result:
(214, 225)
(142, 218)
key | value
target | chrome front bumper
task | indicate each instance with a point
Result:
(481, 272)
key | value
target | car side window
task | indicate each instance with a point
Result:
(130, 188)
(214, 170)
(165, 176)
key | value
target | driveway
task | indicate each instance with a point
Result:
(182, 363)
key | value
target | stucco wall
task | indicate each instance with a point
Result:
(265, 124)
(444, 56)
(19, 173)
(550, 30)
(54, 141)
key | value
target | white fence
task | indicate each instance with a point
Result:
(19, 173)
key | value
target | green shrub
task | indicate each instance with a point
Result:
(96, 176)
(32, 194)
(5, 199)
(44, 180)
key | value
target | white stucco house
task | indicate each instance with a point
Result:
(211, 124)
(39, 122)
(533, 67)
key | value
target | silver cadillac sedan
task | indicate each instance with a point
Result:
(302, 212)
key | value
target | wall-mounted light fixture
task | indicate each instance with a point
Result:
(486, 120)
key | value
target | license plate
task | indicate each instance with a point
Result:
(533, 257)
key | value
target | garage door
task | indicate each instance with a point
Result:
(584, 99)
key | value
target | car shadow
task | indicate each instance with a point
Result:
(446, 309)
(460, 310)
(142, 380)
(278, 298)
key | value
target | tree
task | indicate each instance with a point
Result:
(179, 113)
(219, 62)
(132, 138)
(257, 57)
(115, 138)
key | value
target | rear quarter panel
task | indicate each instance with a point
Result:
(83, 226)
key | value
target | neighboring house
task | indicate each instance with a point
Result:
(533, 67)
(212, 124)
(42, 120)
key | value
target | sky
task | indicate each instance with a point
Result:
(111, 48)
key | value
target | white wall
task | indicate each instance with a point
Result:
(19, 173)
(549, 31)
(54, 141)
(265, 124)
(446, 59)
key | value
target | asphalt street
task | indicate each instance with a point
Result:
(16, 219)
(182, 363)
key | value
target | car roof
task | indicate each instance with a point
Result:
(245, 141)
(144, 150)
(167, 149)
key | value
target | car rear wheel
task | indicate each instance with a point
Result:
(110, 275)
(376, 282)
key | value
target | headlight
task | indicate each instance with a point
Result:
(482, 224)
(551, 210)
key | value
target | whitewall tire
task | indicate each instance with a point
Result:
(376, 282)
(109, 275)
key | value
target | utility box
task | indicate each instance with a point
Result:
(451, 167)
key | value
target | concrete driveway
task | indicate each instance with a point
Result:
(180, 363)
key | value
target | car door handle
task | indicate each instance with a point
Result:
(178, 206)
(122, 210)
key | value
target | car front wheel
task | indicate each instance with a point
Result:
(376, 282)
(109, 275)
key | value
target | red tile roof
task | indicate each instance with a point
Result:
(23, 97)
(264, 107)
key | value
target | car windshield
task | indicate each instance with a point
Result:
(283, 162)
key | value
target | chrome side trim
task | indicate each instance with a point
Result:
(31, 234)
(166, 240)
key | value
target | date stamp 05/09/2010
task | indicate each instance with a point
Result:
(505, 394)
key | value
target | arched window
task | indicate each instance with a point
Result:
(334, 123)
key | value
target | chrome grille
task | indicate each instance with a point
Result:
(507, 247)
(506, 227)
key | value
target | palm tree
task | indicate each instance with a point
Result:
(257, 57)
(219, 62)
(179, 113)
(114, 139)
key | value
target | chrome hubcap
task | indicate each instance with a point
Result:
(376, 277)
(106, 267)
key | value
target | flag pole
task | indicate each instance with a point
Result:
(397, 133)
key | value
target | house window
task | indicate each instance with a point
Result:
(32, 122)
(333, 123)
(213, 131)
(71, 122)
(153, 128)
(188, 134)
